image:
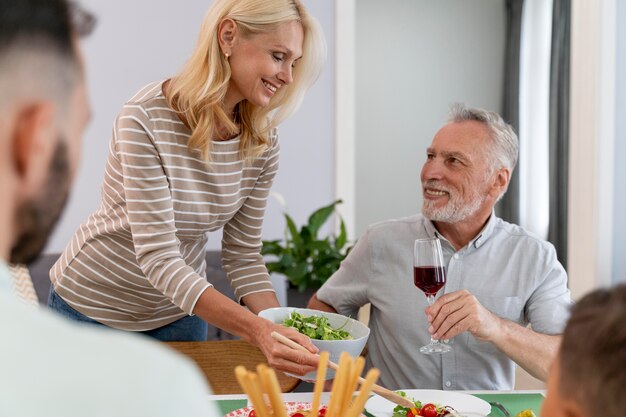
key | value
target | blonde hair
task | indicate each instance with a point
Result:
(198, 90)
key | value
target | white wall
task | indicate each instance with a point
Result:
(619, 225)
(591, 147)
(139, 41)
(413, 59)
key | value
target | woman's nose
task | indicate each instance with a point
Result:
(286, 75)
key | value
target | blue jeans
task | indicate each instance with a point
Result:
(190, 328)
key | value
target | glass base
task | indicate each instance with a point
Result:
(436, 347)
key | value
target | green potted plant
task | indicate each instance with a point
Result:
(305, 259)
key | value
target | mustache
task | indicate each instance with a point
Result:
(436, 185)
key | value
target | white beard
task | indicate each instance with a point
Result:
(456, 210)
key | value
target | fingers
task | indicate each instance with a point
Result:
(298, 337)
(433, 311)
(456, 323)
(290, 360)
(446, 305)
(453, 314)
(287, 359)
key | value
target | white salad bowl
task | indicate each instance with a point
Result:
(359, 331)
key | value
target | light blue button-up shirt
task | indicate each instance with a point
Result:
(512, 273)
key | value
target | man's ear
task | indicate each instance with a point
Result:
(572, 409)
(500, 181)
(33, 139)
(226, 34)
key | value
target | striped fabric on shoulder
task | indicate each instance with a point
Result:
(138, 262)
(22, 284)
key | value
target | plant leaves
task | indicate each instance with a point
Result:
(306, 260)
(293, 230)
(271, 247)
(343, 236)
(319, 217)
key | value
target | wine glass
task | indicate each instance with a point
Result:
(429, 275)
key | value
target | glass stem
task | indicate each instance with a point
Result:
(431, 300)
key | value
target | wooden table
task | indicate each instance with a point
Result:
(218, 359)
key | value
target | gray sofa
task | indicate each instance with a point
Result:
(39, 272)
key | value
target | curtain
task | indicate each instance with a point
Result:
(559, 126)
(508, 208)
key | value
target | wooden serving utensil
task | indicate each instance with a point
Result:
(382, 391)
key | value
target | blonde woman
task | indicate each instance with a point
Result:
(191, 155)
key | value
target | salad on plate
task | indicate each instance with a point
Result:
(424, 409)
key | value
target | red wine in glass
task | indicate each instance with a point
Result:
(429, 275)
(429, 279)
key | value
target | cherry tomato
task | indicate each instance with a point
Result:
(297, 415)
(252, 413)
(429, 410)
(321, 412)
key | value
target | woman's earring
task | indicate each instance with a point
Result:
(226, 55)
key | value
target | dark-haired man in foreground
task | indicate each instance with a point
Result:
(49, 366)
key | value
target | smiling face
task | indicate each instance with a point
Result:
(262, 63)
(455, 182)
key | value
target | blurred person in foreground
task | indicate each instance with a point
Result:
(49, 366)
(499, 277)
(589, 375)
(194, 154)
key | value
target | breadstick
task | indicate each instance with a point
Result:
(346, 396)
(336, 393)
(256, 395)
(319, 383)
(366, 388)
(271, 387)
(359, 364)
(244, 379)
(240, 374)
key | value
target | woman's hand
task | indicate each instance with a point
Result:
(221, 311)
(282, 357)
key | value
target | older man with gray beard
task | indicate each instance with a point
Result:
(500, 278)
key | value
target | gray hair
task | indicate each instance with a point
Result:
(505, 149)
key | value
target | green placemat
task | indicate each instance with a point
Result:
(514, 403)
(226, 406)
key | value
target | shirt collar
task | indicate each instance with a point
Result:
(5, 278)
(484, 234)
(431, 231)
(476, 242)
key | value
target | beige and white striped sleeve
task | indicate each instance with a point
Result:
(150, 211)
(242, 237)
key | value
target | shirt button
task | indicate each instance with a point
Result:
(448, 384)
(456, 256)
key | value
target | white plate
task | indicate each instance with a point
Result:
(462, 403)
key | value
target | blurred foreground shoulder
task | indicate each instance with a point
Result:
(54, 367)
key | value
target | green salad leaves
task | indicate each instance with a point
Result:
(316, 327)
(400, 411)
